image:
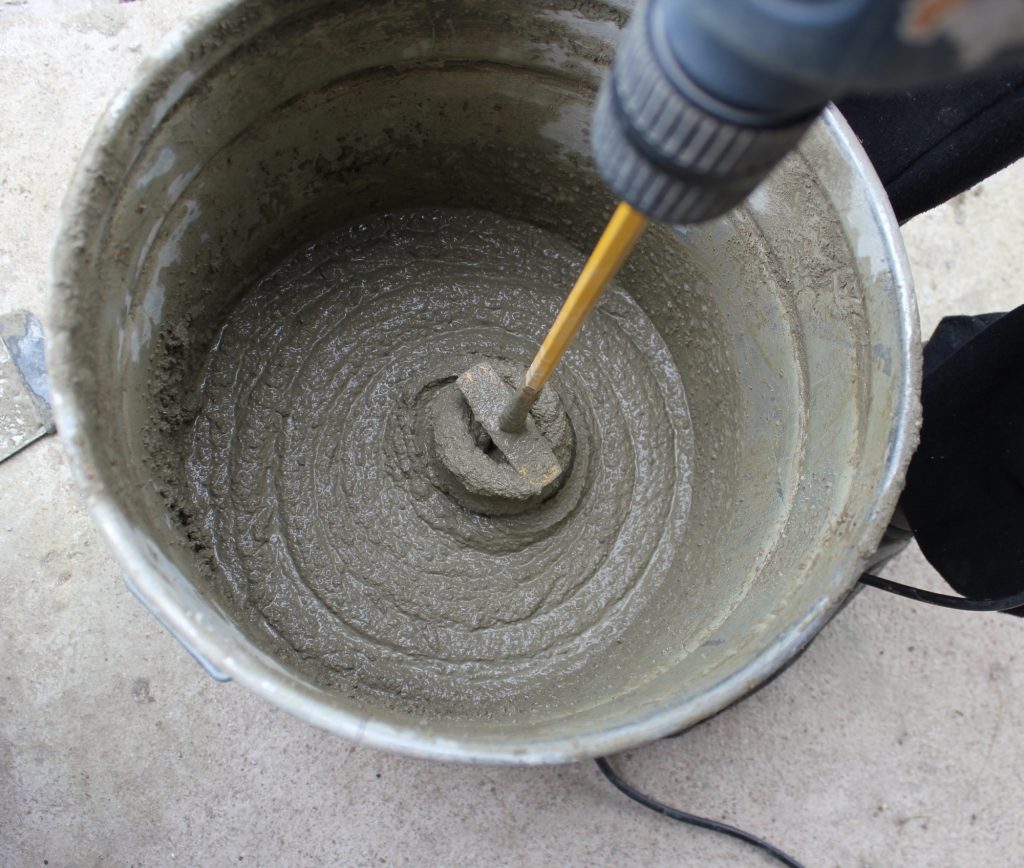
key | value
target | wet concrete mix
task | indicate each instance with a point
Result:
(316, 481)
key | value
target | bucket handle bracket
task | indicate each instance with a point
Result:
(214, 672)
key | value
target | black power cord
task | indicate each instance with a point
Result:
(683, 817)
(1000, 604)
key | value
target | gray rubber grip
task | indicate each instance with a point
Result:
(663, 151)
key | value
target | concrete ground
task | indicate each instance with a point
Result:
(893, 741)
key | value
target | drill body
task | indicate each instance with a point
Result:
(706, 96)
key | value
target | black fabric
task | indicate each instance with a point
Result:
(952, 334)
(929, 146)
(964, 498)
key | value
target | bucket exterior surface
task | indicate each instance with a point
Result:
(239, 141)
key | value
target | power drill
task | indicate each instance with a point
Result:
(705, 97)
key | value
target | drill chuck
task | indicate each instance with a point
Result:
(706, 96)
(670, 148)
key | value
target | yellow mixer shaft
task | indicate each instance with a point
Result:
(616, 243)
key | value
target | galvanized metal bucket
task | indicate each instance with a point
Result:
(260, 124)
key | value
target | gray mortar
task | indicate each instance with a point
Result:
(486, 468)
(207, 189)
(312, 475)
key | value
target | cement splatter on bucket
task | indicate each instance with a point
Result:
(283, 246)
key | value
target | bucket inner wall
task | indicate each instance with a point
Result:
(788, 321)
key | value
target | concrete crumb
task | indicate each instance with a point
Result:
(141, 691)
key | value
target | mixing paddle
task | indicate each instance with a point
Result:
(616, 243)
